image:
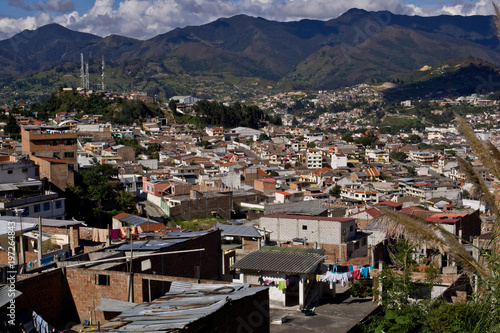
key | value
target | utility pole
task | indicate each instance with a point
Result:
(40, 239)
(130, 277)
(21, 238)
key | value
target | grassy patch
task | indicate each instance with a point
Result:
(197, 224)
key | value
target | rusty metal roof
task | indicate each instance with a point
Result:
(185, 303)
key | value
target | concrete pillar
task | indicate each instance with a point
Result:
(71, 240)
(302, 282)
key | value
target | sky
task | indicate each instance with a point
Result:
(143, 19)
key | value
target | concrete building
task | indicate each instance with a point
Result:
(314, 159)
(53, 149)
(49, 141)
(266, 185)
(339, 161)
(336, 235)
(358, 193)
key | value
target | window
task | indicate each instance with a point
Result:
(351, 228)
(9, 172)
(46, 206)
(25, 170)
(102, 280)
(304, 227)
(363, 242)
(54, 143)
(69, 154)
(36, 208)
(58, 204)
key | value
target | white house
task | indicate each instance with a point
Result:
(339, 161)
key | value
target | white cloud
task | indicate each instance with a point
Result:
(58, 6)
(467, 8)
(147, 18)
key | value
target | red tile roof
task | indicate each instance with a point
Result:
(411, 209)
(284, 193)
(389, 203)
(121, 215)
(267, 180)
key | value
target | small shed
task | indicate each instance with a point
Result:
(290, 273)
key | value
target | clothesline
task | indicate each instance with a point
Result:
(41, 326)
(338, 273)
(101, 235)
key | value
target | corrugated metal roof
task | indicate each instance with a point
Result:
(134, 220)
(291, 263)
(183, 304)
(5, 297)
(238, 230)
(7, 187)
(113, 305)
(5, 228)
(45, 222)
(148, 245)
(298, 250)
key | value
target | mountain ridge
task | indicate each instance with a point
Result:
(352, 48)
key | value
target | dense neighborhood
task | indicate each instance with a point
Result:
(193, 224)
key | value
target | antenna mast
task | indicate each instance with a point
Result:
(87, 76)
(82, 73)
(103, 74)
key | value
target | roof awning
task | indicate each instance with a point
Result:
(34, 235)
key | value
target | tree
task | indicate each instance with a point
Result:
(12, 128)
(311, 145)
(263, 137)
(398, 156)
(347, 137)
(366, 141)
(172, 105)
(414, 138)
(403, 299)
(335, 191)
(411, 171)
(125, 201)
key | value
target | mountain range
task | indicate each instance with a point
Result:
(353, 48)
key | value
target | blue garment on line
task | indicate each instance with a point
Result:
(46, 261)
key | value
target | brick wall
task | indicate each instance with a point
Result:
(71, 295)
(126, 153)
(28, 256)
(86, 292)
(48, 295)
(86, 233)
(209, 260)
(203, 207)
(250, 245)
